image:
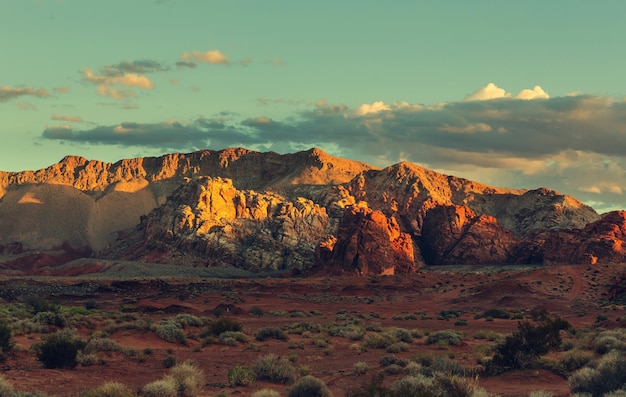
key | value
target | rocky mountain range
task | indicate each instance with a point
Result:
(303, 212)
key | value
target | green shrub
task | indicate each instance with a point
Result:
(256, 311)
(391, 359)
(86, 360)
(274, 368)
(397, 347)
(109, 389)
(95, 345)
(609, 375)
(540, 393)
(171, 331)
(6, 334)
(522, 348)
(189, 378)
(448, 314)
(378, 341)
(223, 325)
(241, 376)
(169, 361)
(165, 387)
(233, 337)
(575, 359)
(59, 350)
(497, 313)
(451, 337)
(360, 368)
(309, 386)
(271, 333)
(189, 320)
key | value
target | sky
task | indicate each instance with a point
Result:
(520, 94)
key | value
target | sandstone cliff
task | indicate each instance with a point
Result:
(306, 211)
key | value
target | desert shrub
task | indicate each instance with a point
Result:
(187, 320)
(171, 331)
(497, 313)
(606, 341)
(6, 387)
(431, 365)
(5, 338)
(165, 387)
(401, 334)
(609, 375)
(50, 318)
(487, 334)
(233, 337)
(397, 347)
(448, 314)
(169, 361)
(39, 304)
(575, 359)
(309, 386)
(266, 393)
(372, 388)
(241, 376)
(521, 349)
(59, 350)
(301, 328)
(271, 333)
(256, 311)
(109, 389)
(189, 378)
(378, 341)
(435, 386)
(391, 359)
(451, 337)
(223, 325)
(360, 368)
(274, 368)
(86, 360)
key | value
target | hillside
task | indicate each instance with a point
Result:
(306, 211)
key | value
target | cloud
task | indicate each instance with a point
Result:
(137, 67)
(490, 91)
(114, 93)
(211, 56)
(126, 79)
(535, 93)
(26, 106)
(73, 119)
(574, 144)
(188, 65)
(277, 62)
(7, 93)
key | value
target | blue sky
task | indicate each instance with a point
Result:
(517, 94)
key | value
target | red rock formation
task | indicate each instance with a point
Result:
(368, 242)
(455, 235)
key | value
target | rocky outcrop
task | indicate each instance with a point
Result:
(603, 241)
(207, 221)
(456, 235)
(368, 243)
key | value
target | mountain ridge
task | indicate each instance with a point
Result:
(302, 211)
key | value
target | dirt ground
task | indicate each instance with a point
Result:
(575, 293)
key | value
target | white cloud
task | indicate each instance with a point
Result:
(373, 108)
(466, 129)
(490, 91)
(127, 79)
(7, 93)
(535, 93)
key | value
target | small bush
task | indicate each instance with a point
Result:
(398, 347)
(391, 359)
(59, 350)
(271, 333)
(448, 335)
(95, 345)
(256, 311)
(5, 338)
(165, 387)
(189, 378)
(171, 331)
(233, 337)
(378, 341)
(360, 368)
(223, 325)
(497, 313)
(169, 361)
(609, 375)
(309, 386)
(86, 360)
(109, 389)
(241, 376)
(274, 368)
(575, 359)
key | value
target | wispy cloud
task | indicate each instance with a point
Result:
(211, 56)
(7, 93)
(73, 119)
(126, 79)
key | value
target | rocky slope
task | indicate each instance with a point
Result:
(306, 211)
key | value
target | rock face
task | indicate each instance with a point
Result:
(306, 211)
(369, 243)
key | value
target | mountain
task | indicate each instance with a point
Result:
(302, 212)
